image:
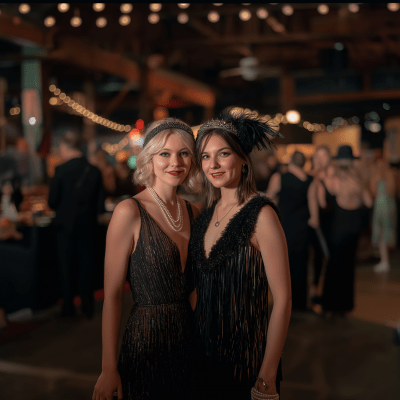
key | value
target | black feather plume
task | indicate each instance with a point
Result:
(251, 129)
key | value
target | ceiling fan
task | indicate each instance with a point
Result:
(250, 70)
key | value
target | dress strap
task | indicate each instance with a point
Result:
(190, 212)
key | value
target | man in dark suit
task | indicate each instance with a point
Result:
(77, 196)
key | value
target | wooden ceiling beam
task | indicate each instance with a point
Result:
(78, 52)
(348, 97)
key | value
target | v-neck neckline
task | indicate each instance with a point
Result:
(224, 230)
(181, 269)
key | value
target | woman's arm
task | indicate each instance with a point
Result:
(119, 245)
(313, 204)
(274, 187)
(271, 240)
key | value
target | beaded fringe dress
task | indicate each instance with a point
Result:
(231, 315)
(155, 361)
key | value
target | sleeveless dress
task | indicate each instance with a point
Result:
(155, 355)
(345, 227)
(384, 217)
(231, 315)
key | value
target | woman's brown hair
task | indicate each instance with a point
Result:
(247, 185)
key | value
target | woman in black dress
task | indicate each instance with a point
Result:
(348, 218)
(147, 242)
(237, 250)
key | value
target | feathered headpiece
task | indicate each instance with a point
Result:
(250, 128)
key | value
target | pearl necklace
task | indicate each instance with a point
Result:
(175, 224)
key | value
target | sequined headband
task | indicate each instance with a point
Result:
(163, 127)
(217, 123)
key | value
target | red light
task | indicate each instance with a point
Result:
(134, 132)
(139, 124)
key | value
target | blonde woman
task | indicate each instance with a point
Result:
(147, 241)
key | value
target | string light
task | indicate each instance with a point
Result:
(287, 9)
(63, 7)
(183, 18)
(213, 16)
(49, 21)
(124, 20)
(217, 4)
(83, 110)
(101, 22)
(154, 18)
(323, 9)
(262, 13)
(183, 5)
(98, 7)
(32, 121)
(126, 8)
(393, 6)
(155, 7)
(245, 15)
(24, 8)
(354, 7)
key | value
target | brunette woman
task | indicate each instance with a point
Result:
(237, 251)
(147, 241)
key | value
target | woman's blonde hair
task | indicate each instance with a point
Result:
(144, 174)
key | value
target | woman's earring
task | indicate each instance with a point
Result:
(244, 168)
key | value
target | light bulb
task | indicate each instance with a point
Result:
(287, 9)
(262, 13)
(155, 7)
(183, 18)
(244, 15)
(49, 21)
(353, 7)
(293, 116)
(76, 21)
(323, 9)
(63, 7)
(101, 22)
(124, 20)
(154, 18)
(183, 5)
(98, 7)
(24, 8)
(393, 6)
(213, 16)
(126, 8)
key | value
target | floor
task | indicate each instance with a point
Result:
(350, 358)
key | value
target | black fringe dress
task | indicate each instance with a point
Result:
(231, 315)
(155, 355)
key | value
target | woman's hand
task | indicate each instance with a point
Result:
(107, 384)
(313, 222)
(270, 389)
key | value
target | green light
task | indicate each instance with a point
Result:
(132, 162)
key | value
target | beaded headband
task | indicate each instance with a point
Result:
(217, 123)
(167, 125)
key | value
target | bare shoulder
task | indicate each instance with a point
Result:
(126, 212)
(267, 218)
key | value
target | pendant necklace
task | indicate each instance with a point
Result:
(217, 223)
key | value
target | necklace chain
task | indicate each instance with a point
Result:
(176, 224)
(218, 221)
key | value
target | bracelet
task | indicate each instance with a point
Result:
(256, 395)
